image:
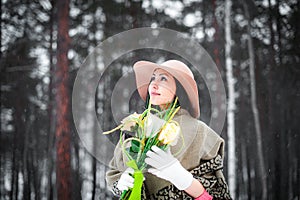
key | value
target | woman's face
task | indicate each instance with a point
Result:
(162, 88)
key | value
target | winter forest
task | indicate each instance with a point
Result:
(254, 44)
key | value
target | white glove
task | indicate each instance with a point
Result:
(126, 180)
(167, 167)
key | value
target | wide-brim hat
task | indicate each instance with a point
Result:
(144, 71)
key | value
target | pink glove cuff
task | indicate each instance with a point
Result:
(204, 196)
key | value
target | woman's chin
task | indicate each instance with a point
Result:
(155, 103)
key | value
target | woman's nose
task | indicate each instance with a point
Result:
(154, 85)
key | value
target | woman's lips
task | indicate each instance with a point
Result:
(154, 93)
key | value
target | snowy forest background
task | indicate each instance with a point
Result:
(44, 43)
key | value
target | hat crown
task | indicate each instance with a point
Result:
(179, 66)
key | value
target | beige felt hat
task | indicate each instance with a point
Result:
(144, 70)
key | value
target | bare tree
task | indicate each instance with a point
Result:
(63, 165)
(50, 110)
(231, 102)
(254, 107)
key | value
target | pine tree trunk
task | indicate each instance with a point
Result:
(63, 166)
(216, 38)
(51, 125)
(231, 103)
(262, 172)
(93, 159)
(271, 103)
(1, 28)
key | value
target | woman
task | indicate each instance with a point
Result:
(196, 173)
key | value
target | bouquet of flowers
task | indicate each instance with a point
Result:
(149, 129)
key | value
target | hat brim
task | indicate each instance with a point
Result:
(143, 73)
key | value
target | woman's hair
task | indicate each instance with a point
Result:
(183, 99)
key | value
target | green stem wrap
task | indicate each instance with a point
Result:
(137, 186)
(136, 191)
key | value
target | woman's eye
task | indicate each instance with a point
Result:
(163, 78)
(152, 78)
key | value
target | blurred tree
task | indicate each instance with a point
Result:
(231, 102)
(62, 98)
(253, 96)
(19, 100)
(49, 192)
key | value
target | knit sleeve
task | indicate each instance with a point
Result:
(210, 175)
(115, 190)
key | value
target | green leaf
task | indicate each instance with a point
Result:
(132, 164)
(135, 146)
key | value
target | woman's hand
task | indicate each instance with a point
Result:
(126, 180)
(166, 166)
